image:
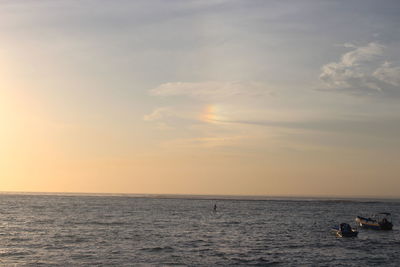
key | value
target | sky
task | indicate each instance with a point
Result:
(238, 97)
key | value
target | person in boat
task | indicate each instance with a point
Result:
(345, 228)
(215, 207)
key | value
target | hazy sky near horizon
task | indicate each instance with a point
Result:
(200, 97)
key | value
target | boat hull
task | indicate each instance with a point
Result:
(339, 232)
(346, 234)
(368, 223)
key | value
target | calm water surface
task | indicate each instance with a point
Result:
(124, 231)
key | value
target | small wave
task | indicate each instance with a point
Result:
(159, 249)
(260, 261)
(173, 264)
(204, 249)
(14, 253)
(233, 222)
(379, 261)
(45, 221)
(73, 240)
(114, 223)
(241, 260)
(20, 239)
(54, 247)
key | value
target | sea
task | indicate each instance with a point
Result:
(148, 230)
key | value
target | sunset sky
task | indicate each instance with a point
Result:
(200, 97)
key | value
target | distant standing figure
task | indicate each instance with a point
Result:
(215, 207)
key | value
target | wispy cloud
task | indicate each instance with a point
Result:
(363, 70)
(212, 111)
(211, 90)
(159, 113)
(388, 73)
(208, 102)
(168, 118)
(384, 127)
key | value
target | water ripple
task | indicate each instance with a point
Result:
(120, 231)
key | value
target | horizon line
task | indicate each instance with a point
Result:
(201, 196)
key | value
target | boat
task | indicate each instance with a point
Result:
(344, 230)
(379, 221)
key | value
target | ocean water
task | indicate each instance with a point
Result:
(84, 230)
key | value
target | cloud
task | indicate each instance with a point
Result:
(362, 54)
(362, 71)
(211, 90)
(388, 74)
(387, 128)
(209, 101)
(348, 45)
(159, 114)
(180, 116)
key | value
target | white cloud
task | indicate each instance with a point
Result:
(388, 74)
(362, 54)
(362, 70)
(211, 89)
